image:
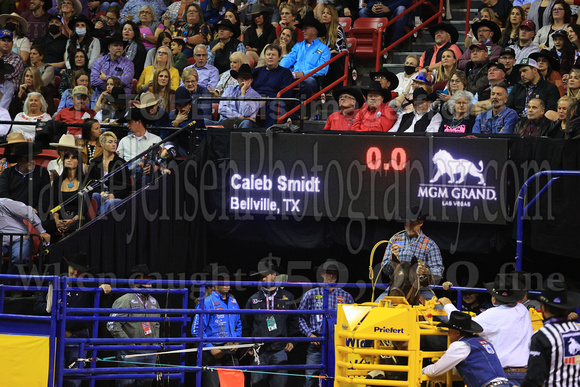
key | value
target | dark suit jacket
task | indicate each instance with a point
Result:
(119, 185)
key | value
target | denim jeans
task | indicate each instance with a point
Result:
(313, 356)
(516, 378)
(398, 26)
(104, 205)
(270, 358)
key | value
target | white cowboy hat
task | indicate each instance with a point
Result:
(66, 141)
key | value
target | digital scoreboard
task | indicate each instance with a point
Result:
(368, 176)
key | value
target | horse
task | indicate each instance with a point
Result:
(405, 281)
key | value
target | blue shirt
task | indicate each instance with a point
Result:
(503, 122)
(314, 299)
(304, 58)
(424, 249)
(208, 75)
(211, 15)
(218, 325)
(122, 68)
(234, 109)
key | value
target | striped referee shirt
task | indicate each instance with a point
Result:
(555, 355)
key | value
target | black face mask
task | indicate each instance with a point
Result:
(410, 69)
(53, 29)
(11, 26)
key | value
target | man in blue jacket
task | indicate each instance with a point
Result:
(389, 9)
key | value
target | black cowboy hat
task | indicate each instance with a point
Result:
(141, 270)
(556, 295)
(447, 27)
(80, 18)
(79, 261)
(232, 27)
(360, 100)
(215, 271)
(116, 37)
(413, 213)
(462, 322)
(259, 8)
(391, 77)
(47, 5)
(182, 95)
(310, 20)
(244, 69)
(265, 268)
(332, 264)
(6, 68)
(554, 62)
(491, 25)
(117, 95)
(28, 149)
(376, 86)
(506, 288)
(419, 94)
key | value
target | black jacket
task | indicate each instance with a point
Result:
(119, 185)
(544, 90)
(32, 190)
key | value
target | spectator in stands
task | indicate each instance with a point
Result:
(549, 69)
(19, 28)
(4, 128)
(508, 59)
(540, 12)
(191, 81)
(533, 86)
(164, 60)
(285, 41)
(37, 18)
(375, 115)
(208, 74)
(405, 77)
(195, 31)
(162, 88)
(446, 69)
(558, 128)
(276, 325)
(308, 55)
(445, 36)
(495, 76)
(11, 67)
(108, 25)
(474, 302)
(525, 45)
(564, 51)
(180, 61)
(12, 222)
(534, 124)
(422, 119)
(233, 17)
(261, 31)
(164, 39)
(560, 17)
(134, 49)
(349, 100)
(403, 102)
(151, 111)
(288, 14)
(149, 26)
(510, 34)
(113, 64)
(214, 10)
(68, 10)
(37, 54)
(80, 78)
(508, 326)
(246, 17)
(56, 166)
(103, 101)
(80, 61)
(183, 115)
(311, 325)
(500, 119)
(227, 43)
(389, 9)
(114, 113)
(488, 33)
(89, 142)
(271, 79)
(139, 139)
(226, 80)
(573, 90)
(78, 112)
(335, 40)
(132, 7)
(31, 82)
(215, 325)
(303, 8)
(467, 352)
(486, 14)
(500, 7)
(476, 69)
(387, 79)
(461, 120)
(82, 37)
(174, 12)
(113, 190)
(458, 81)
(573, 31)
(35, 108)
(54, 42)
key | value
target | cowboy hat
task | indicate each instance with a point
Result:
(350, 91)
(332, 264)
(391, 77)
(79, 261)
(141, 270)
(421, 78)
(27, 149)
(310, 20)
(244, 69)
(447, 27)
(232, 27)
(147, 100)
(66, 141)
(215, 271)
(489, 24)
(260, 8)
(554, 62)
(265, 268)
(376, 86)
(80, 18)
(421, 94)
(182, 95)
(506, 288)
(116, 37)
(462, 322)
(21, 21)
(556, 295)
(78, 8)
(14, 138)
(414, 213)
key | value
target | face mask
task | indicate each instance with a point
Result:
(410, 70)
(10, 26)
(81, 31)
(53, 29)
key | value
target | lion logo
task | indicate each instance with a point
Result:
(447, 165)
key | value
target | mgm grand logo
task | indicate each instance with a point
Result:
(457, 182)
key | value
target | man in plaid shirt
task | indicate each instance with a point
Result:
(10, 80)
(311, 324)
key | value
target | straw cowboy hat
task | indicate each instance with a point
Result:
(147, 100)
(66, 141)
(21, 21)
(78, 8)
(14, 138)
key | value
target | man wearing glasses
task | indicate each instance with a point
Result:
(208, 75)
(113, 64)
(77, 113)
(488, 33)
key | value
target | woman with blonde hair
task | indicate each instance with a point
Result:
(31, 81)
(302, 8)
(163, 59)
(237, 59)
(573, 90)
(288, 14)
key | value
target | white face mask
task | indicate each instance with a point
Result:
(81, 31)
